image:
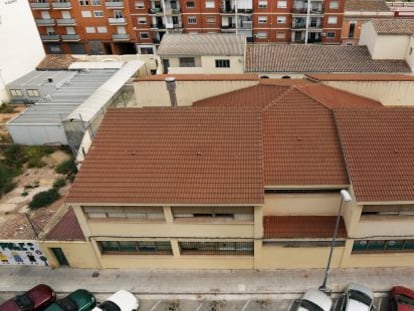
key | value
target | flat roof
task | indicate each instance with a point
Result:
(202, 77)
(41, 78)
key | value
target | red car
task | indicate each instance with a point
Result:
(35, 299)
(402, 299)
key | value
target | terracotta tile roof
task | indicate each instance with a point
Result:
(184, 155)
(202, 77)
(56, 62)
(366, 5)
(378, 146)
(16, 227)
(302, 227)
(202, 44)
(67, 229)
(358, 77)
(399, 26)
(317, 58)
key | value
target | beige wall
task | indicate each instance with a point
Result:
(368, 37)
(154, 93)
(390, 226)
(410, 54)
(79, 254)
(389, 93)
(207, 65)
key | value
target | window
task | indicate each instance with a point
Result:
(211, 19)
(210, 4)
(330, 35)
(222, 63)
(383, 246)
(190, 4)
(32, 92)
(138, 213)
(388, 210)
(334, 5)
(96, 2)
(216, 213)
(261, 35)
(55, 49)
(86, 13)
(102, 29)
(139, 5)
(281, 19)
(282, 4)
(294, 244)
(332, 19)
(141, 20)
(16, 92)
(187, 62)
(83, 2)
(280, 35)
(90, 29)
(262, 19)
(262, 4)
(135, 247)
(216, 248)
(192, 20)
(144, 35)
(98, 13)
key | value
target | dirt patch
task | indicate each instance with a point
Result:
(6, 117)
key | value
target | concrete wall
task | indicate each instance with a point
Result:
(410, 54)
(207, 65)
(368, 37)
(24, 50)
(154, 93)
(389, 93)
(37, 134)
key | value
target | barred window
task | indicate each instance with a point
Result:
(225, 213)
(136, 247)
(16, 92)
(222, 63)
(293, 244)
(216, 248)
(388, 210)
(130, 212)
(32, 93)
(382, 246)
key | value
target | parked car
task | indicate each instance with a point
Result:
(314, 300)
(35, 299)
(402, 299)
(122, 300)
(79, 300)
(357, 297)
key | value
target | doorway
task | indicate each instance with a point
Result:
(60, 256)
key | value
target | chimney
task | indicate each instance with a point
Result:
(171, 86)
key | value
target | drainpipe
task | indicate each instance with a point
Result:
(307, 22)
(171, 86)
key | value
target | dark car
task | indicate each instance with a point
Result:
(79, 300)
(402, 299)
(35, 299)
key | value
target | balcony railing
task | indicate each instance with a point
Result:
(157, 27)
(72, 37)
(304, 11)
(49, 38)
(66, 22)
(227, 11)
(39, 5)
(45, 22)
(155, 11)
(121, 37)
(117, 21)
(114, 4)
(245, 11)
(61, 5)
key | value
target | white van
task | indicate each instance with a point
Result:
(122, 300)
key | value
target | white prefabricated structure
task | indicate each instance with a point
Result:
(22, 49)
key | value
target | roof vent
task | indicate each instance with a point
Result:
(50, 80)
(171, 86)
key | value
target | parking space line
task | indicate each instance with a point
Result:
(245, 306)
(156, 305)
(199, 306)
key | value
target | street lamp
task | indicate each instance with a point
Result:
(345, 197)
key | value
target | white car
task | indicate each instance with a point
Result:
(122, 300)
(315, 300)
(357, 298)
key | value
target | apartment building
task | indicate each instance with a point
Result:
(121, 27)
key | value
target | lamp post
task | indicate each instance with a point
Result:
(345, 197)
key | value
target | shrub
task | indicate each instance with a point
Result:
(44, 198)
(59, 183)
(6, 179)
(67, 167)
(35, 162)
(6, 108)
(14, 156)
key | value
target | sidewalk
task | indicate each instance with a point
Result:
(176, 282)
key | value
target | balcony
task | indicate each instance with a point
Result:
(61, 5)
(156, 11)
(245, 11)
(117, 21)
(50, 38)
(304, 12)
(71, 37)
(245, 25)
(227, 11)
(121, 37)
(114, 4)
(66, 22)
(172, 11)
(228, 29)
(156, 41)
(39, 5)
(156, 27)
(45, 22)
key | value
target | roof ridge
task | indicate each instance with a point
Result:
(274, 101)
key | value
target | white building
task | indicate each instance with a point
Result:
(21, 47)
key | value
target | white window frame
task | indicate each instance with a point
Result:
(280, 35)
(139, 4)
(331, 32)
(102, 29)
(332, 20)
(261, 35)
(210, 4)
(98, 14)
(262, 19)
(281, 19)
(262, 4)
(86, 14)
(33, 92)
(282, 4)
(16, 92)
(142, 20)
(334, 5)
(96, 2)
(192, 20)
(90, 29)
(146, 35)
(211, 19)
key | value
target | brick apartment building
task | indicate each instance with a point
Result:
(121, 27)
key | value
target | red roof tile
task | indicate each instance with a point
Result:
(67, 229)
(202, 77)
(358, 77)
(56, 62)
(378, 146)
(277, 227)
(179, 155)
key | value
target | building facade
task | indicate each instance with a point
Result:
(122, 27)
